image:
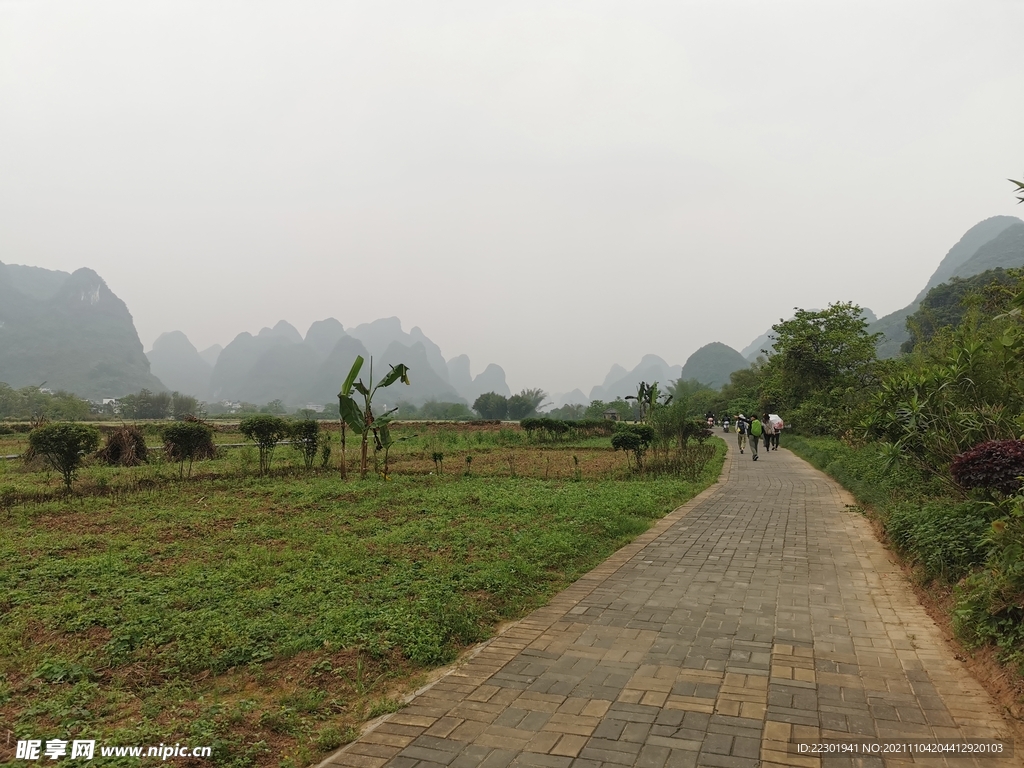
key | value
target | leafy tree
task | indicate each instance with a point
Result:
(569, 412)
(146, 405)
(818, 350)
(525, 403)
(266, 431)
(441, 411)
(306, 440)
(360, 417)
(491, 405)
(64, 446)
(30, 403)
(187, 441)
(275, 407)
(822, 370)
(183, 405)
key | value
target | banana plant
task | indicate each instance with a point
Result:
(648, 397)
(360, 418)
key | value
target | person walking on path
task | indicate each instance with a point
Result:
(756, 430)
(778, 424)
(769, 432)
(742, 425)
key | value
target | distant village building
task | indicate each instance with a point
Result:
(315, 407)
(611, 415)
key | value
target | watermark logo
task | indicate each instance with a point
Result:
(86, 749)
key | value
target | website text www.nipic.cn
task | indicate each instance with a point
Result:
(87, 749)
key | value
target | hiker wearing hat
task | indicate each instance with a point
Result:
(742, 425)
(756, 430)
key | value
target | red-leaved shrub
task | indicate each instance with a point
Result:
(996, 464)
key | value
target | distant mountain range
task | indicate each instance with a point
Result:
(280, 364)
(71, 332)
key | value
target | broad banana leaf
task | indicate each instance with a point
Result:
(400, 371)
(351, 414)
(346, 388)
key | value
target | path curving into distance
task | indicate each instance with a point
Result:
(761, 614)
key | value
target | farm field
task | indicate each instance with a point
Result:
(269, 617)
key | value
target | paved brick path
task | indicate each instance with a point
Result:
(762, 612)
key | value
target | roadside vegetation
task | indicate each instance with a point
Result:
(266, 606)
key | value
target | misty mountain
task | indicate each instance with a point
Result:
(327, 381)
(323, 336)
(70, 331)
(381, 334)
(424, 383)
(650, 369)
(279, 364)
(492, 379)
(994, 242)
(712, 364)
(179, 365)
(210, 354)
(236, 361)
(1004, 251)
(753, 350)
(459, 374)
(283, 372)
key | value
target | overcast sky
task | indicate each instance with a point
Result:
(551, 186)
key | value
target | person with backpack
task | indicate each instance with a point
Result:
(741, 431)
(769, 431)
(756, 430)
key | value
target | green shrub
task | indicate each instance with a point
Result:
(634, 439)
(306, 440)
(188, 440)
(64, 446)
(266, 431)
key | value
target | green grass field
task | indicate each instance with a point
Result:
(268, 617)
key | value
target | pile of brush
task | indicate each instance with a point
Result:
(126, 447)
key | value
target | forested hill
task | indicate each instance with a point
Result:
(69, 331)
(989, 244)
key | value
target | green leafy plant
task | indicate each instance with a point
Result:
(634, 439)
(64, 447)
(266, 431)
(648, 397)
(360, 418)
(188, 441)
(305, 436)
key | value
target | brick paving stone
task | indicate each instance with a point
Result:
(761, 614)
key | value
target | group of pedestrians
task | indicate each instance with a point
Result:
(755, 430)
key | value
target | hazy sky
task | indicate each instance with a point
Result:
(551, 186)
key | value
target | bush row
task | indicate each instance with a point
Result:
(558, 429)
